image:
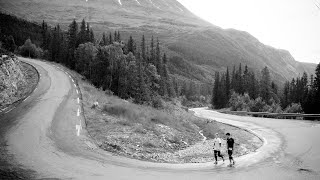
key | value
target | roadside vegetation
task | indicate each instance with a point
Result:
(242, 91)
(167, 134)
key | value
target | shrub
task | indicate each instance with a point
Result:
(157, 102)
(239, 102)
(121, 111)
(258, 105)
(30, 50)
(294, 108)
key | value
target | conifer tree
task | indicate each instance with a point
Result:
(131, 45)
(152, 52)
(265, 85)
(143, 49)
(110, 38)
(227, 84)
(72, 43)
(82, 35)
(158, 57)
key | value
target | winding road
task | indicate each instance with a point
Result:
(43, 136)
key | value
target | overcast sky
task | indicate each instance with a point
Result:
(293, 25)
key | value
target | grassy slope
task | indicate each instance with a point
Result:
(160, 135)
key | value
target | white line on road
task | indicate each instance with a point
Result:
(75, 85)
(9, 110)
(78, 113)
(78, 127)
(72, 80)
(77, 91)
(78, 100)
(70, 77)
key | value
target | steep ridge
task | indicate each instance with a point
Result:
(196, 47)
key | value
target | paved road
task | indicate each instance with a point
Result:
(40, 136)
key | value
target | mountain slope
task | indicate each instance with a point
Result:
(196, 47)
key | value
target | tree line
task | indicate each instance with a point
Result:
(71, 46)
(242, 91)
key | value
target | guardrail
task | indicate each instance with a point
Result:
(275, 115)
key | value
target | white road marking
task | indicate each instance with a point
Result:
(75, 85)
(72, 80)
(78, 127)
(78, 113)
(70, 77)
(77, 91)
(78, 100)
(120, 2)
(138, 2)
(9, 110)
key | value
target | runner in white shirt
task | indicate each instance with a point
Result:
(216, 148)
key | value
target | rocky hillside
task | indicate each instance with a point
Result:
(196, 47)
(11, 79)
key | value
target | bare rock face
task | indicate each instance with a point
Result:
(11, 78)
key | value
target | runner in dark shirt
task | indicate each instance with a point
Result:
(230, 144)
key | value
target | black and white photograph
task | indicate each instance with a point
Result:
(159, 89)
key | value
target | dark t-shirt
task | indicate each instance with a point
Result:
(230, 143)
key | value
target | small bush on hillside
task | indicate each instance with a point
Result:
(121, 111)
(294, 108)
(157, 102)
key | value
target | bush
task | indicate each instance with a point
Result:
(239, 102)
(294, 108)
(30, 50)
(121, 111)
(258, 105)
(157, 102)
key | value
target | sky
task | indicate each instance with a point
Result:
(293, 25)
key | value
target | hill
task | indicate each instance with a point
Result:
(196, 47)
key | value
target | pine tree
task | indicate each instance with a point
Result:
(158, 57)
(215, 91)
(316, 89)
(72, 43)
(152, 53)
(82, 35)
(227, 84)
(115, 36)
(91, 36)
(118, 37)
(143, 49)
(131, 45)
(110, 38)
(265, 85)
(44, 33)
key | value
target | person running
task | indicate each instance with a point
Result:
(230, 144)
(216, 148)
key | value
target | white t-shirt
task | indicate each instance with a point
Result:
(216, 144)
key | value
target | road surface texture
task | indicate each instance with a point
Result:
(41, 136)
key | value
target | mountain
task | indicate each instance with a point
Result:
(196, 47)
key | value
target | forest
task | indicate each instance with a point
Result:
(242, 90)
(128, 68)
(138, 70)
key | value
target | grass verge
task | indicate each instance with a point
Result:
(170, 134)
